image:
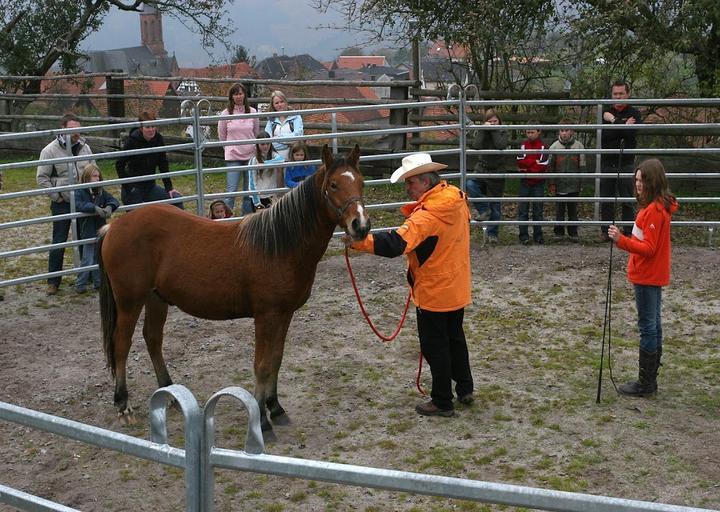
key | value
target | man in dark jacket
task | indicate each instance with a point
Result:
(146, 164)
(618, 114)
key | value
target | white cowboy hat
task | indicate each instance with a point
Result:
(415, 164)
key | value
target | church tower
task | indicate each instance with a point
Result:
(151, 30)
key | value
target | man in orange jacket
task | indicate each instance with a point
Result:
(436, 239)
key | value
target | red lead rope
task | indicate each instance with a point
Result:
(374, 329)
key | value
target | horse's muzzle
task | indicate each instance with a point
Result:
(359, 228)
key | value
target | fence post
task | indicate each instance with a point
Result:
(333, 128)
(115, 106)
(73, 181)
(398, 117)
(199, 140)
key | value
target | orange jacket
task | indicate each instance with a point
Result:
(436, 239)
(649, 246)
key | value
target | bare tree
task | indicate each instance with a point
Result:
(37, 34)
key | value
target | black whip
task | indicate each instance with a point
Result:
(608, 292)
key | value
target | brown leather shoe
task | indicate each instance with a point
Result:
(52, 289)
(430, 409)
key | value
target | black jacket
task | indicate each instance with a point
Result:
(142, 165)
(612, 139)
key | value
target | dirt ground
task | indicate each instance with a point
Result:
(534, 333)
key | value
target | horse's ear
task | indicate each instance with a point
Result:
(327, 157)
(354, 156)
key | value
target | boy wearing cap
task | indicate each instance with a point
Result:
(435, 237)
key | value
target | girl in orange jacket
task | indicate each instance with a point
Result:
(648, 267)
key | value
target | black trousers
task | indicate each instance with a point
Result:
(611, 187)
(442, 341)
(571, 208)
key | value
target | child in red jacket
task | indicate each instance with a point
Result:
(648, 267)
(532, 187)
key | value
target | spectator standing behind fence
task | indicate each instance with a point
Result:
(294, 175)
(284, 124)
(238, 154)
(219, 210)
(618, 114)
(489, 187)
(264, 179)
(648, 268)
(532, 187)
(131, 166)
(436, 239)
(57, 175)
(101, 204)
(566, 187)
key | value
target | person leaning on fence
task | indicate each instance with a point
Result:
(566, 187)
(618, 114)
(294, 175)
(57, 175)
(489, 187)
(648, 268)
(238, 154)
(284, 124)
(435, 237)
(530, 186)
(131, 166)
(101, 204)
(265, 179)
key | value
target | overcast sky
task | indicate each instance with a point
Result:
(263, 27)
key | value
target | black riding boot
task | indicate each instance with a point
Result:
(647, 374)
(658, 364)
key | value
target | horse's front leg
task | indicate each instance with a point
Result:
(270, 332)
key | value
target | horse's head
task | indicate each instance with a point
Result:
(343, 191)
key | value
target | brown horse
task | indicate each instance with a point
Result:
(261, 267)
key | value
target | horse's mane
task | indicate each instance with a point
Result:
(285, 225)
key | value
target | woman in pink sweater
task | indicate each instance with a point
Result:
(238, 154)
(648, 267)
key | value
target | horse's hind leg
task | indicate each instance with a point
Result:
(124, 329)
(270, 331)
(156, 311)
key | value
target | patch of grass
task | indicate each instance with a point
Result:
(231, 489)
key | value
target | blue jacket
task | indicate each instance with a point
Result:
(291, 127)
(294, 175)
(86, 202)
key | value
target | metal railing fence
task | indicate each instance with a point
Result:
(461, 154)
(200, 457)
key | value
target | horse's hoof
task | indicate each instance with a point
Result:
(127, 417)
(281, 419)
(269, 436)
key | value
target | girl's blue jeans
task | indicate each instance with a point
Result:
(648, 300)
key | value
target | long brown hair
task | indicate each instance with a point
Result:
(236, 88)
(655, 184)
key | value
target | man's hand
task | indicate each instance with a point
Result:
(607, 116)
(347, 240)
(108, 211)
(630, 120)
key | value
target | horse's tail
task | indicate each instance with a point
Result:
(108, 308)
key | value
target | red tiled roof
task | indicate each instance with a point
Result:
(440, 49)
(360, 61)
(340, 91)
